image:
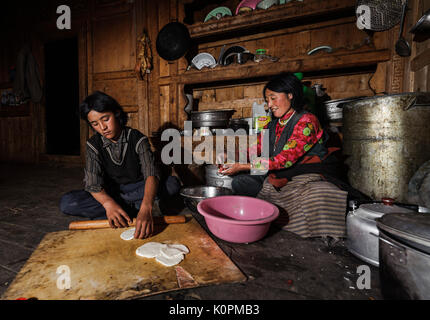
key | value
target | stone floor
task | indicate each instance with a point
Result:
(281, 266)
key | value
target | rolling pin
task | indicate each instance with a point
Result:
(100, 224)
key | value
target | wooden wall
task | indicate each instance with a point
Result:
(417, 74)
(16, 132)
(112, 54)
(108, 30)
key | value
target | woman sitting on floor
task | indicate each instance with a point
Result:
(302, 170)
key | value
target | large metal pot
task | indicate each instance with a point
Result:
(214, 178)
(333, 109)
(211, 118)
(362, 232)
(386, 139)
(404, 250)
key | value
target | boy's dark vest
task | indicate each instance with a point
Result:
(129, 170)
(319, 149)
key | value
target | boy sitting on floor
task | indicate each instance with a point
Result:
(121, 178)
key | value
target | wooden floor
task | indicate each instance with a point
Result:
(281, 266)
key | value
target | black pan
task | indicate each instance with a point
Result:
(173, 41)
(423, 24)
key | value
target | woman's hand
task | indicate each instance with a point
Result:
(220, 159)
(117, 217)
(232, 169)
(144, 222)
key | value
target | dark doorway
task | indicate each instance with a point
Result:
(62, 97)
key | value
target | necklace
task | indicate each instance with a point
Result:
(284, 122)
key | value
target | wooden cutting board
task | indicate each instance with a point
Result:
(103, 266)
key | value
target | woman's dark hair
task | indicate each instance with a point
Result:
(101, 102)
(288, 83)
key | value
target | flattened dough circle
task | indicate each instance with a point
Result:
(170, 251)
(168, 262)
(128, 234)
(149, 249)
(181, 247)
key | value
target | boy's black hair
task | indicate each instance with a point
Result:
(101, 102)
(288, 83)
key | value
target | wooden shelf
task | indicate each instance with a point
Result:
(326, 61)
(291, 12)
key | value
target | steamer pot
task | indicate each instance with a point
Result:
(385, 140)
(362, 232)
(404, 249)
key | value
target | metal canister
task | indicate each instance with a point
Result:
(361, 230)
(386, 139)
(213, 178)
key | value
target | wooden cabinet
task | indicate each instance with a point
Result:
(286, 31)
(279, 16)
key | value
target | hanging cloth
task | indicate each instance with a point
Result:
(27, 81)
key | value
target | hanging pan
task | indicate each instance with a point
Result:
(423, 24)
(173, 41)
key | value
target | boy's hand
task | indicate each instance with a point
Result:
(144, 223)
(117, 217)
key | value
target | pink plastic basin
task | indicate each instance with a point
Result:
(238, 219)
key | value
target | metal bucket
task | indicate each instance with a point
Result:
(386, 139)
(213, 178)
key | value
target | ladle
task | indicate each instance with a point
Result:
(402, 46)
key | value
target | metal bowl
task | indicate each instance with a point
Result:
(333, 108)
(211, 118)
(193, 195)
